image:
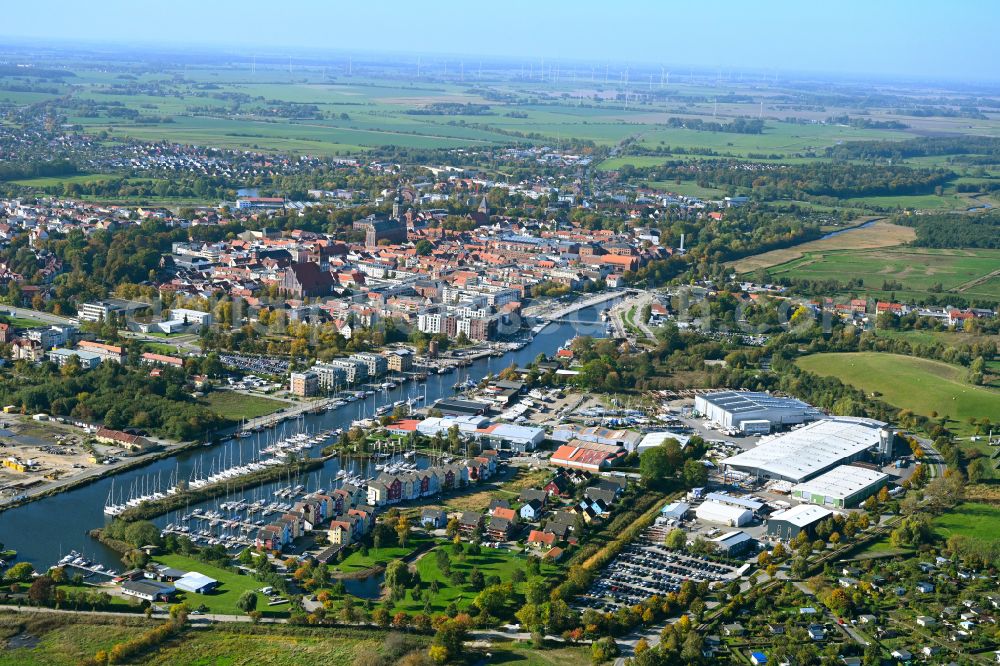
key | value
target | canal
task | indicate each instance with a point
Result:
(44, 530)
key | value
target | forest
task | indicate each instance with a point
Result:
(831, 180)
(116, 395)
(737, 126)
(16, 171)
(981, 230)
(928, 146)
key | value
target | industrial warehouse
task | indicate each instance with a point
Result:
(753, 413)
(786, 525)
(813, 449)
(841, 487)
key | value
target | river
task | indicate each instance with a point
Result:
(833, 234)
(45, 529)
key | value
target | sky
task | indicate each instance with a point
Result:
(921, 39)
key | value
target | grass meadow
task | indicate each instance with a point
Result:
(923, 386)
(918, 270)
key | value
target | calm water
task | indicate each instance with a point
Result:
(45, 529)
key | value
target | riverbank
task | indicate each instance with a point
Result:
(96, 474)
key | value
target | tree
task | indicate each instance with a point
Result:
(381, 617)
(695, 474)
(20, 572)
(691, 648)
(603, 649)
(247, 601)
(450, 637)
(403, 530)
(477, 580)
(979, 470)
(42, 590)
(655, 466)
(397, 574)
(492, 599)
(143, 533)
(676, 539)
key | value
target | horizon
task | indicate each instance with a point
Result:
(745, 41)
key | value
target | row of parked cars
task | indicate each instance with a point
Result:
(647, 568)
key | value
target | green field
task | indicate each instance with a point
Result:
(61, 639)
(232, 585)
(160, 348)
(357, 562)
(274, 646)
(946, 337)
(26, 322)
(59, 180)
(499, 562)
(352, 114)
(971, 519)
(689, 188)
(918, 270)
(235, 406)
(920, 385)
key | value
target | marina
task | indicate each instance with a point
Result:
(37, 529)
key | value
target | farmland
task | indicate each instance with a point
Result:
(923, 386)
(878, 235)
(905, 272)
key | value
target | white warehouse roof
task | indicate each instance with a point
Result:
(194, 581)
(810, 450)
(743, 402)
(654, 439)
(841, 482)
(716, 512)
(742, 502)
(802, 515)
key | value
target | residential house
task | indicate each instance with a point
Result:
(470, 522)
(531, 511)
(433, 518)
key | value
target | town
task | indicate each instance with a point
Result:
(336, 356)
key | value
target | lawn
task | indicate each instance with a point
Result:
(61, 639)
(905, 272)
(235, 406)
(357, 562)
(498, 562)
(25, 322)
(971, 519)
(920, 385)
(223, 599)
(160, 348)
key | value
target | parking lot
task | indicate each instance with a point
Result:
(646, 568)
(262, 364)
